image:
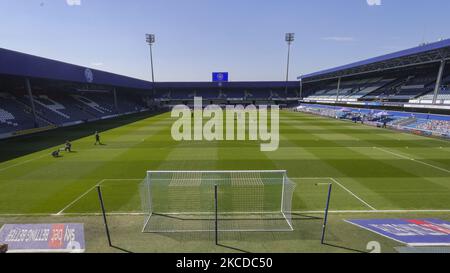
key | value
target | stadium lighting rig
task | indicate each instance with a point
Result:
(289, 38)
(150, 39)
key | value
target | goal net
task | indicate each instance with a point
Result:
(185, 201)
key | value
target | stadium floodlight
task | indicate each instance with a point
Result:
(289, 38)
(150, 39)
(225, 201)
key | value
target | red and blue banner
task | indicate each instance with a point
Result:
(413, 232)
(43, 237)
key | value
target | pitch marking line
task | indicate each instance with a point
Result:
(353, 194)
(412, 159)
(340, 185)
(373, 211)
(79, 197)
(90, 189)
(22, 163)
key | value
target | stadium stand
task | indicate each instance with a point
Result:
(38, 94)
(162, 95)
(370, 86)
(14, 116)
(171, 93)
(443, 96)
(427, 123)
(235, 94)
(182, 94)
(292, 94)
(258, 95)
(406, 88)
(91, 104)
(206, 94)
(390, 89)
(60, 109)
(349, 90)
(276, 95)
(402, 78)
(440, 126)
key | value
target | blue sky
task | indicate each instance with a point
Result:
(197, 37)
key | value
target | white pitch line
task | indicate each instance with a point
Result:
(412, 159)
(372, 211)
(27, 215)
(79, 197)
(108, 213)
(93, 187)
(339, 184)
(22, 163)
(123, 179)
(309, 178)
(71, 214)
(351, 193)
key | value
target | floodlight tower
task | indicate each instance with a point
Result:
(150, 39)
(289, 38)
(301, 86)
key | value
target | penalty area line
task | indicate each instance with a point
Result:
(352, 194)
(79, 197)
(92, 188)
(340, 185)
(412, 159)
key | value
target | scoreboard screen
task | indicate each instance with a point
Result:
(220, 76)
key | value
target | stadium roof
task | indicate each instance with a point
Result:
(427, 53)
(25, 65)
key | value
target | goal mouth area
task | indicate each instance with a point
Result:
(226, 222)
(199, 201)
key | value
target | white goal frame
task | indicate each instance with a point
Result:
(263, 215)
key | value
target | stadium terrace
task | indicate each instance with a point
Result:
(416, 78)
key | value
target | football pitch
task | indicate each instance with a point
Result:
(376, 173)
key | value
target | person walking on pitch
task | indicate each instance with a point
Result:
(97, 138)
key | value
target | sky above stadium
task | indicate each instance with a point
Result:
(197, 37)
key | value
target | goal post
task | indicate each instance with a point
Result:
(185, 201)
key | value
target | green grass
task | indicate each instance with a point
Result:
(371, 168)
